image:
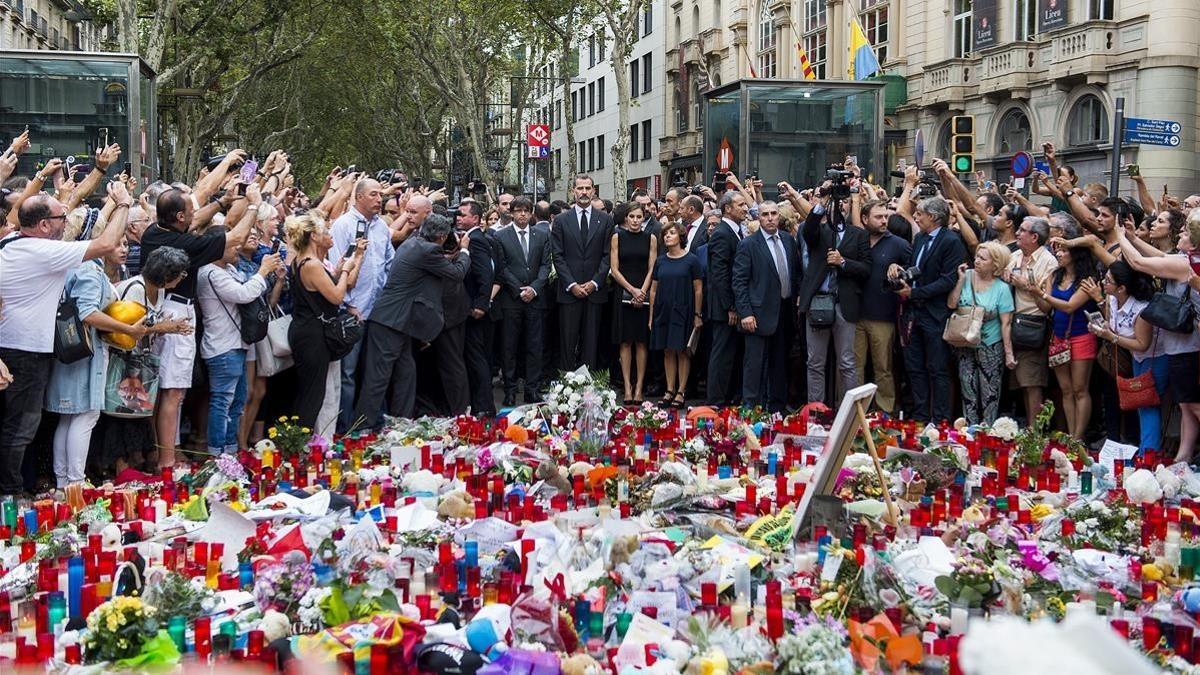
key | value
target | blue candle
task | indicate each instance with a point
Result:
(772, 463)
(245, 575)
(472, 553)
(75, 586)
(822, 546)
(31, 525)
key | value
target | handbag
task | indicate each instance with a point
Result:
(253, 316)
(131, 383)
(1028, 331)
(72, 339)
(964, 328)
(1060, 347)
(267, 362)
(1169, 312)
(277, 332)
(1139, 391)
(341, 331)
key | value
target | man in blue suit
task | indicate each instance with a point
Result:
(766, 278)
(938, 253)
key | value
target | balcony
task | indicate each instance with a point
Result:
(1007, 70)
(1084, 52)
(712, 41)
(949, 81)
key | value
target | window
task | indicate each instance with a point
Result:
(582, 157)
(600, 91)
(814, 14)
(1013, 133)
(558, 115)
(647, 74)
(962, 28)
(633, 78)
(648, 19)
(717, 11)
(943, 140)
(681, 113)
(591, 98)
(591, 151)
(592, 51)
(633, 143)
(874, 17)
(695, 20)
(575, 106)
(815, 36)
(603, 47)
(647, 139)
(1024, 20)
(600, 152)
(556, 165)
(1100, 10)
(1088, 122)
(767, 56)
(678, 30)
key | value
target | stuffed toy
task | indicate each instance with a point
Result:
(581, 664)
(550, 472)
(457, 505)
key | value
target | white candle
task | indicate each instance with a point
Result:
(958, 620)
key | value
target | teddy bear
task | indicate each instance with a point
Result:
(549, 472)
(456, 505)
(581, 664)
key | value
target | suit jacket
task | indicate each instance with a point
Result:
(722, 246)
(514, 271)
(411, 300)
(856, 251)
(577, 261)
(756, 287)
(939, 272)
(478, 283)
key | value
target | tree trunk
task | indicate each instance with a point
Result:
(127, 34)
(564, 76)
(623, 22)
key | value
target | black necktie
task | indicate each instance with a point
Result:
(583, 224)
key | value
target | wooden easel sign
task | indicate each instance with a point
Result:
(850, 421)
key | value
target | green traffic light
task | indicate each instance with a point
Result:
(962, 164)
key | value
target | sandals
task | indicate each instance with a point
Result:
(678, 401)
(667, 398)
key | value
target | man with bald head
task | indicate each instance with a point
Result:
(361, 221)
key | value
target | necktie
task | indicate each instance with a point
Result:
(524, 245)
(583, 224)
(923, 251)
(785, 286)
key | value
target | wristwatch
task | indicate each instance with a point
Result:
(1069, 193)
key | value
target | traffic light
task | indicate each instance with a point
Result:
(962, 143)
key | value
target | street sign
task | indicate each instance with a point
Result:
(1022, 164)
(725, 156)
(1152, 126)
(919, 148)
(538, 152)
(1151, 138)
(538, 135)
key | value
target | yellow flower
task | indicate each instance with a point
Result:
(1040, 511)
(283, 418)
(238, 506)
(271, 432)
(295, 418)
(112, 623)
(306, 430)
(1151, 572)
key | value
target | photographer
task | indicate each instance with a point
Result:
(876, 329)
(939, 252)
(839, 262)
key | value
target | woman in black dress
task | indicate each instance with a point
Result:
(631, 254)
(318, 294)
(675, 296)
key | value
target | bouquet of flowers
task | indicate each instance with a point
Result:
(291, 439)
(1105, 526)
(282, 585)
(648, 416)
(186, 597)
(119, 629)
(815, 648)
(568, 395)
(972, 583)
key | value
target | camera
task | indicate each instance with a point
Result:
(839, 180)
(929, 186)
(698, 190)
(476, 187)
(905, 278)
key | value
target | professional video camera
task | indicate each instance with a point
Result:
(929, 184)
(839, 180)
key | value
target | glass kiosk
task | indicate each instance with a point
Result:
(73, 102)
(793, 130)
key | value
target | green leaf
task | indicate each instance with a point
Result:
(388, 602)
(334, 609)
(947, 586)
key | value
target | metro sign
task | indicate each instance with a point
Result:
(725, 156)
(538, 135)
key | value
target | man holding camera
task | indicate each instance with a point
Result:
(876, 327)
(361, 221)
(925, 287)
(839, 261)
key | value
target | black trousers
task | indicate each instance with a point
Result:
(722, 361)
(22, 412)
(926, 359)
(452, 368)
(479, 334)
(389, 360)
(579, 332)
(523, 334)
(307, 338)
(764, 368)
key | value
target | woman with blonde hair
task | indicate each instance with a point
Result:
(980, 367)
(318, 291)
(259, 243)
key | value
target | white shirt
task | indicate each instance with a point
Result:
(33, 273)
(377, 261)
(694, 230)
(1121, 321)
(219, 292)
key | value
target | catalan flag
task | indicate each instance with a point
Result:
(863, 62)
(806, 68)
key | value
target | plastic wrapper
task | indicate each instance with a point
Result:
(358, 636)
(535, 619)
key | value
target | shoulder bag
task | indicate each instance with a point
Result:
(253, 316)
(1140, 391)
(342, 331)
(1029, 331)
(822, 307)
(964, 328)
(277, 332)
(1060, 347)
(1169, 312)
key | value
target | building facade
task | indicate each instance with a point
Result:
(49, 24)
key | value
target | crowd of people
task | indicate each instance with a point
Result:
(204, 310)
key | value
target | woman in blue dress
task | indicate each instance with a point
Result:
(675, 300)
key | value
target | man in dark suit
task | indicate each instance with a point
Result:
(839, 261)
(478, 286)
(409, 308)
(579, 243)
(449, 351)
(722, 314)
(766, 276)
(939, 252)
(523, 271)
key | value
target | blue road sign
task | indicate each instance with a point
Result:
(1138, 124)
(1151, 138)
(1022, 164)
